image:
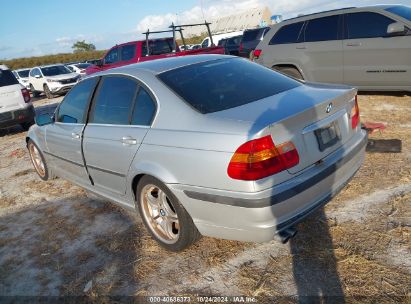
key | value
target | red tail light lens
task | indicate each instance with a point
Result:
(355, 114)
(257, 53)
(26, 95)
(260, 158)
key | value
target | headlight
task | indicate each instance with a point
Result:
(52, 80)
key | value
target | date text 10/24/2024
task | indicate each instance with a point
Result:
(201, 299)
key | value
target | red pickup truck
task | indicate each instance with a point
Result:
(136, 51)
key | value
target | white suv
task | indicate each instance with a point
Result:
(22, 76)
(368, 47)
(51, 79)
(15, 105)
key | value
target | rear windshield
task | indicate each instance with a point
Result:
(23, 73)
(251, 35)
(7, 78)
(158, 47)
(225, 83)
(55, 70)
(401, 10)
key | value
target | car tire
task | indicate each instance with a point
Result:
(290, 71)
(47, 91)
(163, 215)
(39, 162)
(33, 91)
(26, 125)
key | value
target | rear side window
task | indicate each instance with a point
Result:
(225, 83)
(7, 78)
(366, 25)
(158, 47)
(23, 73)
(144, 109)
(114, 101)
(254, 34)
(72, 108)
(287, 34)
(128, 52)
(322, 29)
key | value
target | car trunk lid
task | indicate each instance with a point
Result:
(315, 117)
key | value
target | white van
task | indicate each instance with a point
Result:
(367, 47)
(216, 38)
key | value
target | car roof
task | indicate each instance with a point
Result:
(161, 65)
(24, 69)
(46, 66)
(3, 67)
(359, 8)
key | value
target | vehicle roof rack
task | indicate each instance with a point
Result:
(178, 28)
(329, 11)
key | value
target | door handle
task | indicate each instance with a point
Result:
(75, 135)
(128, 140)
(354, 44)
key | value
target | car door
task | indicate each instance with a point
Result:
(112, 59)
(373, 59)
(128, 53)
(64, 136)
(115, 131)
(322, 49)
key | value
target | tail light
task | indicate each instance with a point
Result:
(260, 158)
(355, 114)
(26, 95)
(240, 48)
(257, 53)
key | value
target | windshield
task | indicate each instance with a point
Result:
(225, 83)
(401, 10)
(7, 78)
(23, 73)
(55, 70)
(82, 65)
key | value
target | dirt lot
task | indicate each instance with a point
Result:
(56, 238)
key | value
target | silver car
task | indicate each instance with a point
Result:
(204, 145)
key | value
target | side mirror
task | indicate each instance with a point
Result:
(396, 29)
(37, 76)
(44, 119)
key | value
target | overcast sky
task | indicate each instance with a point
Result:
(32, 28)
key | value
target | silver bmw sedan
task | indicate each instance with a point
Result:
(204, 145)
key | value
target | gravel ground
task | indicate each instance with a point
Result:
(57, 239)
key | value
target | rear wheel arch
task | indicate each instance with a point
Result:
(284, 66)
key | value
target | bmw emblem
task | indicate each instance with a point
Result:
(329, 107)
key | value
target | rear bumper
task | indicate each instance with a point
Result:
(260, 215)
(12, 118)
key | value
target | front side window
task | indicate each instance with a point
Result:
(112, 56)
(128, 52)
(287, 34)
(322, 29)
(72, 108)
(144, 109)
(366, 25)
(114, 101)
(33, 72)
(223, 84)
